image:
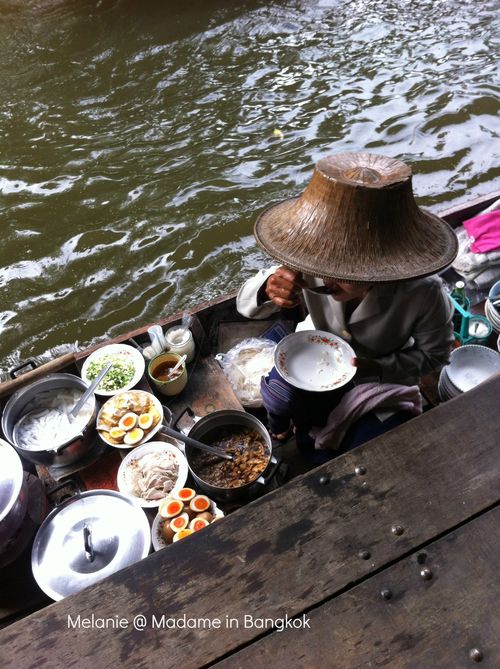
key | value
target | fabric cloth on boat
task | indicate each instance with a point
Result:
(308, 409)
(484, 232)
(361, 400)
(405, 326)
(481, 269)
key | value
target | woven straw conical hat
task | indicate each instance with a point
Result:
(356, 221)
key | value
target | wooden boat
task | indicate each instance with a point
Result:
(212, 316)
(344, 561)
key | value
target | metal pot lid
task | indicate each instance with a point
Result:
(11, 477)
(86, 539)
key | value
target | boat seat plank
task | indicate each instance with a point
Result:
(207, 390)
(425, 623)
(290, 550)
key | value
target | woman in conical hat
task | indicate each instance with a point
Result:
(357, 236)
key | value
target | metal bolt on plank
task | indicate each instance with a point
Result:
(475, 655)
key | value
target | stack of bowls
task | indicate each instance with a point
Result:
(492, 310)
(469, 366)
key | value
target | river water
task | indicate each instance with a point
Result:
(140, 139)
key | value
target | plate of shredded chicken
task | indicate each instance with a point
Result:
(151, 472)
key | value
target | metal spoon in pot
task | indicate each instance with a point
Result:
(194, 443)
(90, 390)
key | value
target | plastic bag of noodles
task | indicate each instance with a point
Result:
(244, 365)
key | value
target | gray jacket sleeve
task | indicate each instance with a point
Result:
(431, 339)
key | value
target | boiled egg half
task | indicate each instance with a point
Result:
(127, 421)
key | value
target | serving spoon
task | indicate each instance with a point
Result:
(194, 443)
(76, 409)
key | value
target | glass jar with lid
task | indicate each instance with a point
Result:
(180, 340)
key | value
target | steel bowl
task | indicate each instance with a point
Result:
(228, 418)
(13, 493)
(65, 453)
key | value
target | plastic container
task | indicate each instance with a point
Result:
(180, 340)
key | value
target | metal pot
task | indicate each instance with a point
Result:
(64, 454)
(13, 493)
(87, 538)
(224, 419)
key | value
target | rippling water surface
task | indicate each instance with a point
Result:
(137, 139)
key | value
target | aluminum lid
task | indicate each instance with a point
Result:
(86, 539)
(11, 477)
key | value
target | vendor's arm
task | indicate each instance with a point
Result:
(268, 291)
(432, 332)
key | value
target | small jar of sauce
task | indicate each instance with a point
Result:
(159, 373)
(180, 340)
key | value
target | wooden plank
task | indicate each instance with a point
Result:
(458, 213)
(207, 390)
(55, 365)
(432, 623)
(287, 551)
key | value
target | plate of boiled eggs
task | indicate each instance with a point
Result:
(129, 419)
(182, 513)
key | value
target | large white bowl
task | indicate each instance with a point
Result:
(123, 351)
(470, 365)
(137, 453)
(314, 360)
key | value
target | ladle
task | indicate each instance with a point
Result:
(194, 443)
(76, 409)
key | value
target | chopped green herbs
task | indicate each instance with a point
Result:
(118, 376)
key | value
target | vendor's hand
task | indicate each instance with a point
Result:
(283, 287)
(367, 367)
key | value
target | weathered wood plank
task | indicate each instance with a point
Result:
(207, 390)
(287, 551)
(432, 623)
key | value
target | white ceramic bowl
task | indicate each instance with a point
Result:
(493, 315)
(152, 447)
(123, 352)
(156, 536)
(470, 365)
(494, 292)
(314, 360)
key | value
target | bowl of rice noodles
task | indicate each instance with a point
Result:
(36, 421)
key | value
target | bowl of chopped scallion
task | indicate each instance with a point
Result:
(126, 372)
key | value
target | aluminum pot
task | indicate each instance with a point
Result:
(210, 425)
(65, 453)
(13, 493)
